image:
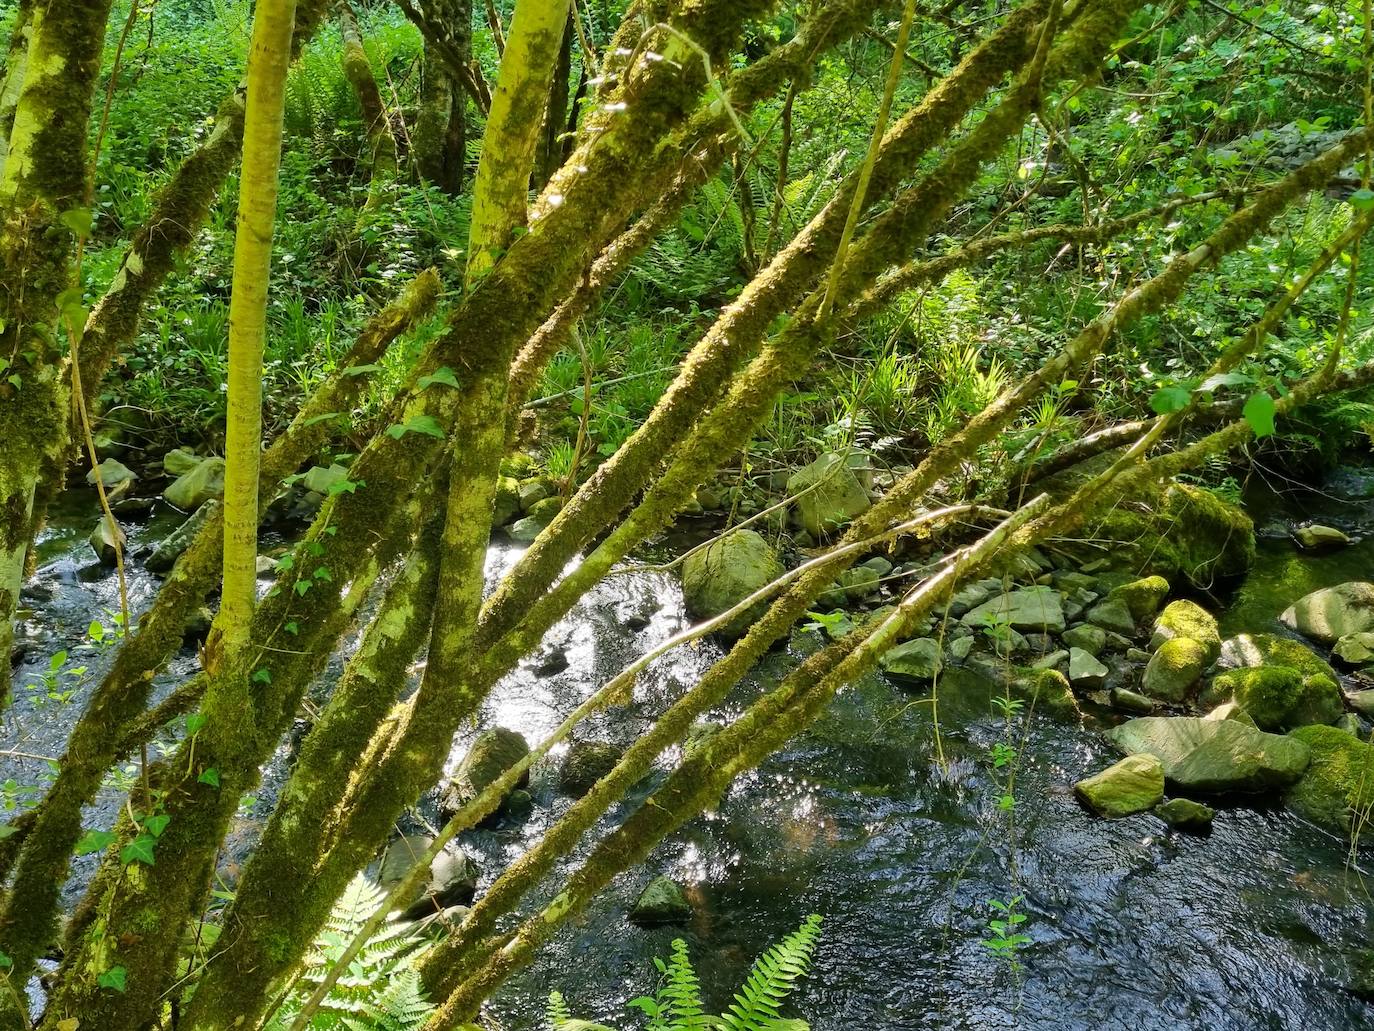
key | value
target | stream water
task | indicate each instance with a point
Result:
(1252, 926)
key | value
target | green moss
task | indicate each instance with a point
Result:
(1187, 619)
(1046, 689)
(1270, 650)
(1279, 697)
(1182, 532)
(1143, 597)
(1338, 789)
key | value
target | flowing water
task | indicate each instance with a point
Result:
(887, 829)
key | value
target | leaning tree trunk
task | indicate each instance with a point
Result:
(381, 144)
(42, 190)
(439, 142)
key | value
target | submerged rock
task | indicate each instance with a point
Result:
(1316, 537)
(1331, 613)
(1214, 756)
(492, 753)
(1279, 698)
(169, 549)
(1028, 608)
(1337, 790)
(1191, 620)
(724, 573)
(1133, 785)
(913, 660)
(662, 902)
(193, 488)
(835, 495)
(1173, 669)
(1186, 815)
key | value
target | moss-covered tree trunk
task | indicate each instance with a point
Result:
(549, 154)
(41, 189)
(12, 80)
(439, 142)
(381, 144)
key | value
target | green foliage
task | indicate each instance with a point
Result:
(677, 1005)
(380, 990)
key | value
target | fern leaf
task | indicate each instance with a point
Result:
(771, 979)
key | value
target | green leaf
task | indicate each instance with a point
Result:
(315, 419)
(1169, 399)
(425, 424)
(443, 375)
(1259, 413)
(1362, 200)
(140, 850)
(262, 676)
(7, 830)
(156, 824)
(116, 978)
(293, 628)
(302, 586)
(210, 776)
(78, 220)
(1226, 379)
(5, 960)
(361, 370)
(194, 722)
(94, 841)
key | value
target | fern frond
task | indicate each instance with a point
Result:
(771, 979)
(560, 1018)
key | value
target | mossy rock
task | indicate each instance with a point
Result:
(1181, 533)
(833, 495)
(192, 489)
(727, 571)
(1331, 613)
(585, 764)
(1047, 689)
(1246, 650)
(1186, 815)
(1187, 619)
(1214, 756)
(1337, 791)
(1143, 597)
(507, 501)
(492, 753)
(1280, 698)
(1174, 669)
(662, 902)
(1133, 785)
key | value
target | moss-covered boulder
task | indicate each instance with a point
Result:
(662, 902)
(1269, 650)
(1047, 689)
(180, 460)
(585, 764)
(1143, 597)
(721, 575)
(828, 494)
(1214, 756)
(1279, 698)
(1181, 533)
(1331, 613)
(1174, 668)
(1191, 620)
(917, 660)
(1133, 785)
(1337, 791)
(507, 500)
(493, 752)
(192, 489)
(1186, 815)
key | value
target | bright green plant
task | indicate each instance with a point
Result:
(677, 1006)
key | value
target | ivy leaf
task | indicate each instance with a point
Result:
(116, 978)
(302, 586)
(262, 676)
(1362, 200)
(1226, 379)
(425, 424)
(78, 220)
(94, 841)
(194, 722)
(156, 824)
(443, 374)
(1169, 399)
(293, 628)
(140, 850)
(361, 370)
(1259, 413)
(324, 417)
(5, 962)
(210, 776)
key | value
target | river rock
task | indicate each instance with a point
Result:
(1128, 701)
(913, 660)
(1005, 640)
(1054, 660)
(1086, 637)
(1329, 614)
(1184, 814)
(180, 460)
(837, 497)
(1143, 597)
(1362, 702)
(878, 564)
(1173, 669)
(662, 902)
(507, 505)
(852, 585)
(1269, 650)
(526, 530)
(1086, 673)
(534, 490)
(968, 597)
(116, 477)
(960, 647)
(321, 479)
(492, 753)
(1316, 537)
(1112, 614)
(585, 764)
(1133, 785)
(169, 549)
(192, 489)
(1230, 711)
(1355, 649)
(1214, 756)
(106, 541)
(1028, 608)
(724, 573)
(452, 876)
(1191, 620)
(1337, 791)
(1279, 698)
